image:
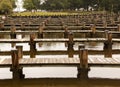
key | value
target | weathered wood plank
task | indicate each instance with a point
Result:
(57, 40)
(62, 61)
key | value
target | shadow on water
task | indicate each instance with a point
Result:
(60, 83)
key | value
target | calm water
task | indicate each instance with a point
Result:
(56, 72)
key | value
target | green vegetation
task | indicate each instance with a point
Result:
(58, 5)
(54, 13)
(31, 4)
(108, 5)
(6, 6)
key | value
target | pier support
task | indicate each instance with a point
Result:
(20, 51)
(40, 33)
(118, 27)
(23, 28)
(108, 45)
(83, 67)
(13, 34)
(66, 33)
(70, 45)
(104, 24)
(93, 28)
(32, 46)
(16, 70)
(1, 24)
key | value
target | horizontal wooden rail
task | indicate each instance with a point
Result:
(61, 52)
(57, 40)
(61, 28)
(57, 31)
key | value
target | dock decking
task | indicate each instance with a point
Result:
(32, 62)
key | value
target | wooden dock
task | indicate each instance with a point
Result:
(57, 40)
(38, 26)
(39, 62)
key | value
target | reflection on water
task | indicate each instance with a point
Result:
(42, 72)
(62, 72)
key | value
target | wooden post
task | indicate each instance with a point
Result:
(23, 28)
(43, 24)
(108, 45)
(32, 46)
(62, 23)
(83, 67)
(83, 24)
(70, 46)
(81, 46)
(15, 60)
(93, 28)
(13, 34)
(15, 68)
(104, 24)
(1, 24)
(66, 33)
(118, 27)
(20, 51)
(77, 22)
(40, 34)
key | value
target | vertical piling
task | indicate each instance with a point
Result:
(66, 33)
(23, 28)
(15, 68)
(118, 27)
(20, 51)
(1, 24)
(40, 34)
(83, 67)
(32, 46)
(93, 28)
(104, 24)
(108, 45)
(13, 34)
(70, 45)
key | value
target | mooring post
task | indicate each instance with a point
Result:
(118, 27)
(83, 68)
(32, 44)
(70, 45)
(93, 28)
(77, 22)
(23, 28)
(84, 24)
(1, 24)
(66, 33)
(13, 34)
(40, 32)
(43, 24)
(81, 46)
(108, 45)
(104, 24)
(16, 70)
(20, 51)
